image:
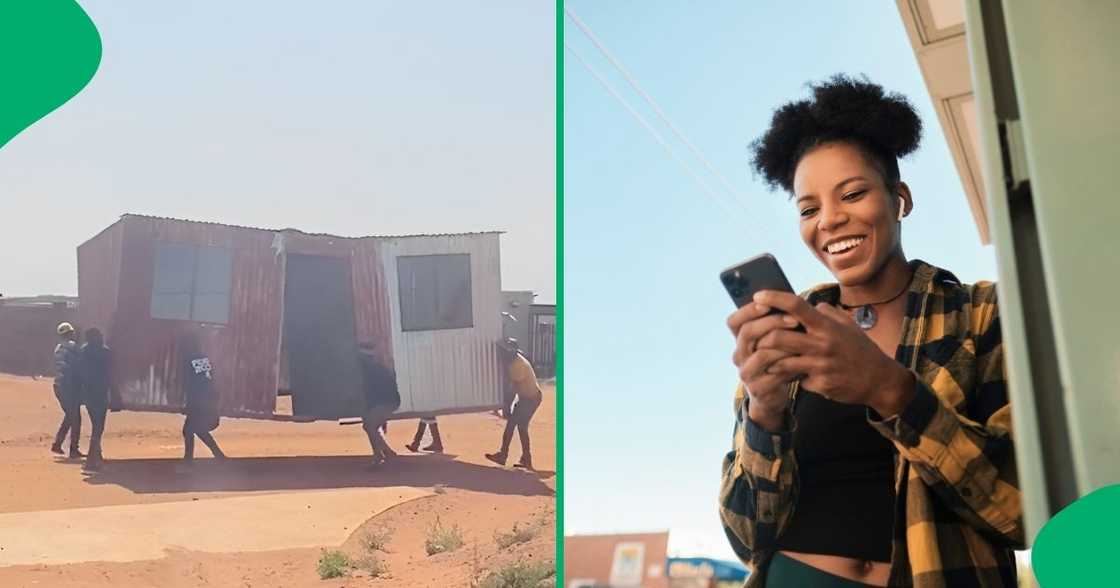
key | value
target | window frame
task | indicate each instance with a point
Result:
(193, 293)
(436, 324)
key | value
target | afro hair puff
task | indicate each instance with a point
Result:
(841, 109)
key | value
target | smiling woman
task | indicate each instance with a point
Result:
(872, 449)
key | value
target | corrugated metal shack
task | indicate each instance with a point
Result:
(27, 332)
(284, 309)
(534, 327)
(542, 336)
(515, 311)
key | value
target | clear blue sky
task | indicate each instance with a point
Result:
(648, 378)
(347, 117)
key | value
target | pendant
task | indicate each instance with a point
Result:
(865, 317)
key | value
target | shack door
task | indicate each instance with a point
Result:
(319, 340)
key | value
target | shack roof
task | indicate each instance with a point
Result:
(291, 230)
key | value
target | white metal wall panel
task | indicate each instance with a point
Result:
(452, 369)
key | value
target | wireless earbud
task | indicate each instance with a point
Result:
(901, 208)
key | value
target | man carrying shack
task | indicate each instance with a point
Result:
(68, 389)
(95, 391)
(201, 407)
(379, 383)
(521, 384)
(427, 422)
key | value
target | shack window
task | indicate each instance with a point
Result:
(435, 292)
(192, 283)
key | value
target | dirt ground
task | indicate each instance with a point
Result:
(463, 489)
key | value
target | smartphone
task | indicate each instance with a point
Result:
(757, 273)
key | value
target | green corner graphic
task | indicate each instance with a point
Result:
(1078, 546)
(49, 51)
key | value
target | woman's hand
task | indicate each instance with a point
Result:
(834, 356)
(768, 391)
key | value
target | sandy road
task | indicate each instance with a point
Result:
(261, 538)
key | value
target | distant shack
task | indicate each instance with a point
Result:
(27, 332)
(534, 327)
(285, 310)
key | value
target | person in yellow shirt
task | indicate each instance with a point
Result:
(521, 384)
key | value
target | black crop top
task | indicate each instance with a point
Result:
(845, 505)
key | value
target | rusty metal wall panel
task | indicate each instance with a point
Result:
(148, 370)
(452, 369)
(99, 274)
(368, 279)
(369, 289)
(27, 336)
(372, 307)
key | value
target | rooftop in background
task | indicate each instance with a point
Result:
(42, 300)
(634, 559)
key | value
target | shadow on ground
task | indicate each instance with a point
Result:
(160, 476)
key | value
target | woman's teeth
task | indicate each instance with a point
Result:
(846, 244)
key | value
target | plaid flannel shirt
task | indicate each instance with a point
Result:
(958, 512)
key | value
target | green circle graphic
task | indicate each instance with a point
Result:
(1078, 546)
(49, 51)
